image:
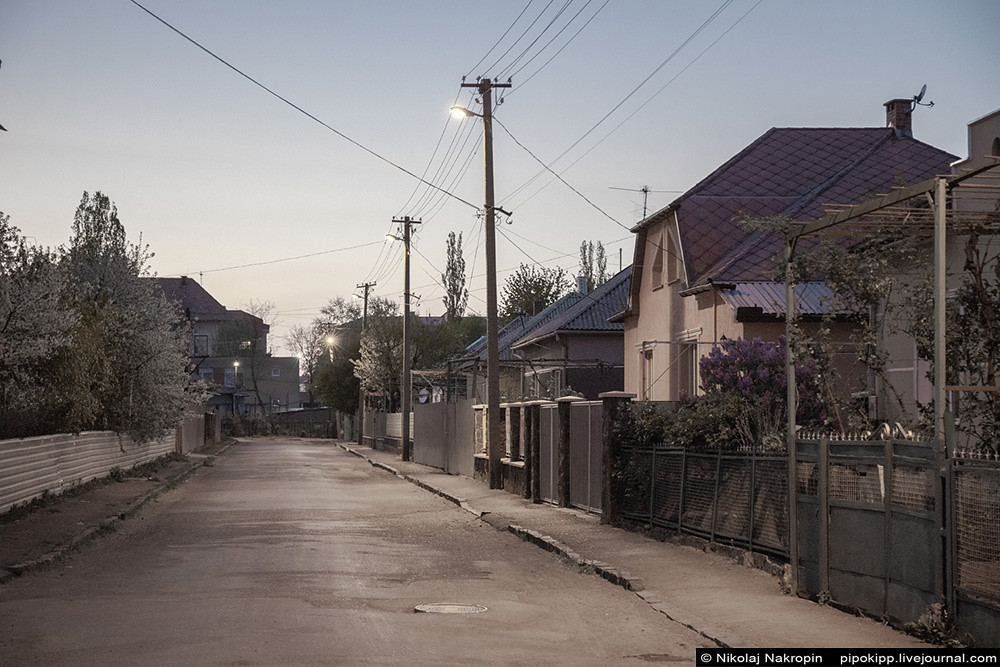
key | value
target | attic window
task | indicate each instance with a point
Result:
(673, 261)
(996, 147)
(659, 251)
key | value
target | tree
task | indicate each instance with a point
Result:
(456, 297)
(530, 290)
(380, 361)
(34, 327)
(308, 343)
(130, 348)
(593, 264)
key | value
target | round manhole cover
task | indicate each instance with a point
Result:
(450, 608)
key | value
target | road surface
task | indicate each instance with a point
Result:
(295, 552)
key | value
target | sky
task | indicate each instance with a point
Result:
(289, 201)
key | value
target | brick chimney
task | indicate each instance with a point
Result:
(897, 116)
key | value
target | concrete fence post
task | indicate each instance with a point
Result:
(528, 420)
(615, 403)
(534, 462)
(564, 404)
(514, 430)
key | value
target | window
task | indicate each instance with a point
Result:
(206, 374)
(688, 369)
(647, 373)
(201, 345)
(230, 377)
(658, 262)
(276, 372)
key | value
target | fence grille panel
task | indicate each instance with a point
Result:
(699, 492)
(977, 530)
(667, 484)
(733, 515)
(771, 503)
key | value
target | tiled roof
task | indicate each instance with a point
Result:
(197, 303)
(192, 296)
(519, 327)
(590, 313)
(795, 172)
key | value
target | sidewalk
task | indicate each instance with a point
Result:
(46, 534)
(730, 604)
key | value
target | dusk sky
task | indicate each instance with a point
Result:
(214, 172)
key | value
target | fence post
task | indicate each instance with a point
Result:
(824, 514)
(514, 430)
(534, 490)
(564, 404)
(615, 403)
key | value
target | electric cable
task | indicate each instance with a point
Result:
(298, 108)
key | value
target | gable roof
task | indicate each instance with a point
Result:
(198, 304)
(517, 328)
(794, 172)
(589, 314)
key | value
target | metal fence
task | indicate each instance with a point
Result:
(55, 463)
(880, 526)
(974, 488)
(737, 499)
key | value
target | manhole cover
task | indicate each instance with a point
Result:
(450, 608)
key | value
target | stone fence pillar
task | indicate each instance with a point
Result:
(615, 405)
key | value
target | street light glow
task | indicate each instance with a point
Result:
(462, 112)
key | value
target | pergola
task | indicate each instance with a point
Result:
(934, 214)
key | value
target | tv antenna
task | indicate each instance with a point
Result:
(917, 99)
(645, 194)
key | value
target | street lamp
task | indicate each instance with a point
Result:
(236, 383)
(495, 448)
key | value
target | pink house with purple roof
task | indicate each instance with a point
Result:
(698, 278)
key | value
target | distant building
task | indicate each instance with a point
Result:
(228, 350)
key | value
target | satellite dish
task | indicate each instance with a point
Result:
(917, 99)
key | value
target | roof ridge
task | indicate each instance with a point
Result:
(813, 194)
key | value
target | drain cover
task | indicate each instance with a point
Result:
(449, 608)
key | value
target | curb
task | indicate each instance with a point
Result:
(607, 572)
(107, 525)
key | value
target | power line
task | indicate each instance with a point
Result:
(549, 169)
(561, 48)
(300, 109)
(642, 83)
(509, 28)
(284, 259)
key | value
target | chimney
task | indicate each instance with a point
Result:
(184, 281)
(581, 284)
(897, 116)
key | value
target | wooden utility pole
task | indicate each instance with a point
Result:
(407, 453)
(495, 447)
(361, 389)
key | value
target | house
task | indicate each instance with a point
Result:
(975, 202)
(228, 350)
(578, 349)
(698, 277)
(512, 376)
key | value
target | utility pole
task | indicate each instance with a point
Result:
(361, 388)
(495, 447)
(406, 222)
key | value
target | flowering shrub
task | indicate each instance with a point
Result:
(744, 401)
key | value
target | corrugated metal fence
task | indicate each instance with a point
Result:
(54, 463)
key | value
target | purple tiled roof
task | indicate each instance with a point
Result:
(590, 313)
(796, 172)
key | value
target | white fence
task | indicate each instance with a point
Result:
(55, 463)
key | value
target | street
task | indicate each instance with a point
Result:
(292, 552)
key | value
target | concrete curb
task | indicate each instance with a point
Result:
(607, 572)
(107, 525)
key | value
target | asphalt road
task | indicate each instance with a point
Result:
(291, 552)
